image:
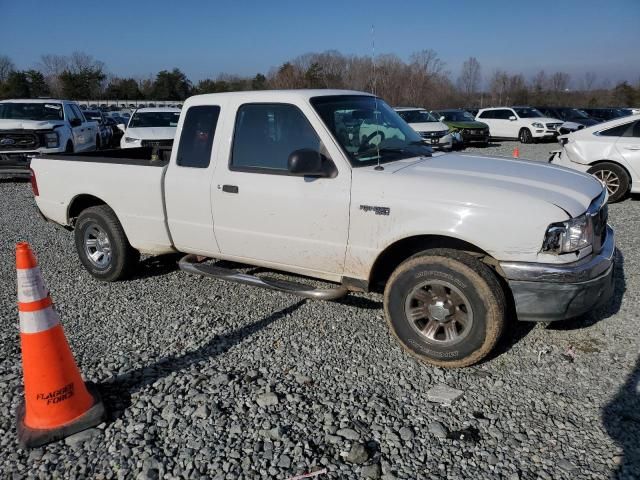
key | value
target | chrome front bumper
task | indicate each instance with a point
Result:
(547, 292)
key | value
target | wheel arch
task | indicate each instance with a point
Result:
(399, 251)
(79, 203)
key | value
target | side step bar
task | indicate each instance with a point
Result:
(193, 264)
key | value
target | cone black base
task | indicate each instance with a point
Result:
(35, 437)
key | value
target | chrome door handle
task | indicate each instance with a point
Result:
(632, 148)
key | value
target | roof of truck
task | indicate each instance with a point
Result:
(35, 100)
(157, 109)
(277, 94)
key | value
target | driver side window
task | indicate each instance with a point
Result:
(266, 134)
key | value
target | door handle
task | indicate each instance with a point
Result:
(632, 148)
(230, 188)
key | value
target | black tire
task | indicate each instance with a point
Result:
(608, 173)
(478, 287)
(525, 136)
(98, 143)
(121, 258)
(69, 147)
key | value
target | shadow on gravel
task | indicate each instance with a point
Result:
(116, 391)
(603, 312)
(156, 266)
(14, 180)
(621, 419)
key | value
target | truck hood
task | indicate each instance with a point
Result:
(152, 133)
(10, 124)
(472, 177)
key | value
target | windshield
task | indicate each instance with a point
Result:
(368, 130)
(577, 113)
(154, 119)
(527, 112)
(31, 111)
(457, 116)
(416, 116)
(92, 116)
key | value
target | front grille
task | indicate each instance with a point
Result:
(599, 213)
(156, 143)
(553, 126)
(432, 134)
(474, 131)
(18, 141)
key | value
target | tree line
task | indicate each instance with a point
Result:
(422, 80)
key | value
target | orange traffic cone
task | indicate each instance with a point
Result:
(57, 403)
(516, 152)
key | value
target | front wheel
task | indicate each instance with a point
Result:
(445, 307)
(525, 136)
(614, 177)
(102, 245)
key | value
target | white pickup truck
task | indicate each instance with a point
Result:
(29, 127)
(285, 180)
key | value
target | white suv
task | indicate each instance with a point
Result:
(523, 123)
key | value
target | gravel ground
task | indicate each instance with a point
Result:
(532, 151)
(207, 379)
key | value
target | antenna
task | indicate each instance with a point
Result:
(375, 96)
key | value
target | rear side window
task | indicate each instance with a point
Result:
(487, 114)
(196, 139)
(615, 131)
(266, 134)
(636, 130)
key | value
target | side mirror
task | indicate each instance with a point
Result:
(122, 126)
(75, 122)
(512, 118)
(441, 119)
(310, 163)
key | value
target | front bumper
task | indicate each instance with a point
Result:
(548, 292)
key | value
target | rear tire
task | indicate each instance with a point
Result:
(102, 245)
(445, 307)
(98, 143)
(525, 136)
(614, 178)
(69, 147)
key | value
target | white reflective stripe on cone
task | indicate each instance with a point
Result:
(38, 321)
(31, 285)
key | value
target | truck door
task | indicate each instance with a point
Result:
(77, 128)
(263, 213)
(187, 185)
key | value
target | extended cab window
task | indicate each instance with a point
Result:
(266, 134)
(197, 135)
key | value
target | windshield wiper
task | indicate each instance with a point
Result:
(382, 150)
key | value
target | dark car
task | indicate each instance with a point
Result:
(569, 114)
(605, 114)
(105, 130)
(472, 111)
(464, 123)
(116, 134)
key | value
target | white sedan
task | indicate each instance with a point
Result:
(150, 127)
(610, 151)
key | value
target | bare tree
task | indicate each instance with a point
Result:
(469, 79)
(499, 85)
(6, 67)
(589, 81)
(52, 66)
(559, 82)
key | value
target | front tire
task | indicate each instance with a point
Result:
(445, 307)
(525, 136)
(614, 178)
(102, 245)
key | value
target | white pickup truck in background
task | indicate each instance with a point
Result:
(31, 127)
(285, 180)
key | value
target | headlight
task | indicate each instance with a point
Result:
(131, 139)
(537, 125)
(569, 236)
(51, 139)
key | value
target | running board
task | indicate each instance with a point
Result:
(193, 264)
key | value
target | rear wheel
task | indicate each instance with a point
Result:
(525, 136)
(614, 177)
(102, 245)
(445, 307)
(98, 143)
(69, 147)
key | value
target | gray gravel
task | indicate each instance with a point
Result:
(207, 379)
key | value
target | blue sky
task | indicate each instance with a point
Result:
(205, 38)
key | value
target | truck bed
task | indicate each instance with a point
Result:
(127, 180)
